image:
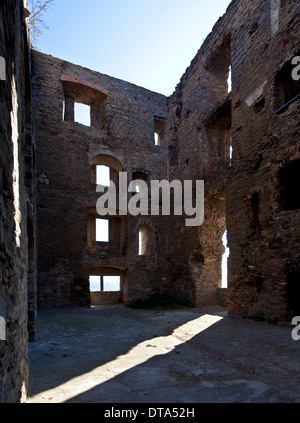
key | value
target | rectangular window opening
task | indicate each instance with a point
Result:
(137, 188)
(82, 114)
(103, 175)
(159, 130)
(225, 261)
(144, 239)
(95, 283)
(229, 80)
(84, 104)
(102, 230)
(219, 66)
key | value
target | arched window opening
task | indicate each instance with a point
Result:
(159, 130)
(104, 169)
(84, 103)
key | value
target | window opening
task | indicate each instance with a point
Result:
(82, 114)
(103, 175)
(102, 230)
(144, 240)
(225, 262)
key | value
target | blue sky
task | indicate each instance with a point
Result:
(147, 42)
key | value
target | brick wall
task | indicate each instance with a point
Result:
(258, 39)
(121, 136)
(17, 215)
(230, 138)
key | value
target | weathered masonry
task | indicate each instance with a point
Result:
(77, 245)
(18, 290)
(243, 139)
(232, 121)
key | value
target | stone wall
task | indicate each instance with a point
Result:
(263, 236)
(244, 144)
(17, 214)
(120, 136)
(239, 137)
(242, 141)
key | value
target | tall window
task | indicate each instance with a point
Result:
(84, 104)
(225, 262)
(102, 230)
(159, 130)
(111, 283)
(95, 283)
(144, 240)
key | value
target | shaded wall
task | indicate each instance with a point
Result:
(17, 213)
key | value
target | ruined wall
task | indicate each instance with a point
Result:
(241, 138)
(263, 236)
(199, 138)
(16, 203)
(244, 144)
(120, 136)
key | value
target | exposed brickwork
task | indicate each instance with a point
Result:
(257, 281)
(261, 237)
(204, 124)
(67, 196)
(17, 215)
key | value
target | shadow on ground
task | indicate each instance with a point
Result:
(119, 355)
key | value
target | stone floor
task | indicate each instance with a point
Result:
(114, 354)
